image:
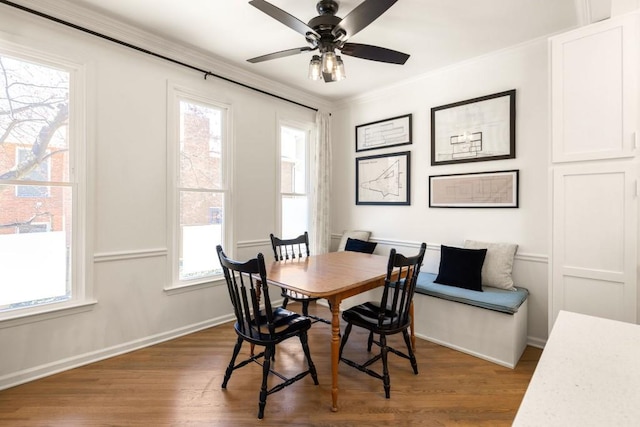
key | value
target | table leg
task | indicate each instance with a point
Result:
(335, 351)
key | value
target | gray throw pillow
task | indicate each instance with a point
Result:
(498, 264)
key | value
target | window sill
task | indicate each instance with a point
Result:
(193, 286)
(46, 312)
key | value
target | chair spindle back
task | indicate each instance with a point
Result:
(284, 249)
(400, 286)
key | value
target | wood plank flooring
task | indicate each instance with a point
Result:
(177, 383)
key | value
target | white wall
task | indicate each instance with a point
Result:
(127, 110)
(523, 68)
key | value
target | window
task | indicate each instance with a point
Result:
(294, 176)
(40, 188)
(199, 200)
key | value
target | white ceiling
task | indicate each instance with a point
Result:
(436, 33)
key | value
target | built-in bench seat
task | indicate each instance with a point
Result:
(491, 324)
(505, 301)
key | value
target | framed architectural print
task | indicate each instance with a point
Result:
(474, 190)
(384, 133)
(383, 179)
(475, 130)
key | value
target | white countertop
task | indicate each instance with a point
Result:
(588, 375)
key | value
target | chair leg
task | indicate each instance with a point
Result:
(370, 342)
(385, 368)
(266, 366)
(412, 356)
(305, 347)
(347, 331)
(305, 308)
(285, 301)
(236, 350)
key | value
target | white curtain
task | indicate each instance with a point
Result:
(320, 213)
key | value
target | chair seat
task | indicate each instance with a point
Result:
(287, 324)
(366, 316)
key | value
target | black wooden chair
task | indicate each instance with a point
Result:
(389, 316)
(262, 327)
(291, 249)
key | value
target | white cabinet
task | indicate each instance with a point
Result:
(594, 91)
(595, 108)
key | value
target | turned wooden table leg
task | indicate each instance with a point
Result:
(335, 351)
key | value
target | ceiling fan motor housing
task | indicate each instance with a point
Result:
(324, 25)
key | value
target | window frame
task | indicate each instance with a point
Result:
(177, 93)
(306, 127)
(80, 178)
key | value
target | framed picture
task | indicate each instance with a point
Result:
(476, 130)
(383, 179)
(384, 133)
(474, 190)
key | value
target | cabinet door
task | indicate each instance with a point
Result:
(594, 240)
(594, 91)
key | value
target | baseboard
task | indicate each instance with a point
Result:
(536, 342)
(58, 366)
(465, 350)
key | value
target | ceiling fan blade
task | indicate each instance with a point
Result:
(374, 53)
(285, 18)
(281, 54)
(364, 14)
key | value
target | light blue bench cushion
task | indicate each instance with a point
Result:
(505, 301)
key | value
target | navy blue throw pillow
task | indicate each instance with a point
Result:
(461, 267)
(356, 245)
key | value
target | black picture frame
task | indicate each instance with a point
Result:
(475, 130)
(385, 133)
(498, 189)
(384, 179)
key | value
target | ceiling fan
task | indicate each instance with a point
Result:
(328, 33)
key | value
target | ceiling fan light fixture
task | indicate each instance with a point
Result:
(329, 62)
(315, 68)
(339, 73)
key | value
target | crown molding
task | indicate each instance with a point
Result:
(99, 23)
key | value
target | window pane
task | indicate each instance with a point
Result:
(201, 229)
(200, 146)
(294, 216)
(38, 173)
(35, 248)
(35, 220)
(293, 173)
(34, 113)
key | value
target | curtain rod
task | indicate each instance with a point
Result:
(148, 52)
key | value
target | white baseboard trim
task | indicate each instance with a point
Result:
(58, 366)
(465, 350)
(536, 342)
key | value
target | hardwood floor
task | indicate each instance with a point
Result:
(177, 383)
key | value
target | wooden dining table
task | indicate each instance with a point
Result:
(333, 276)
